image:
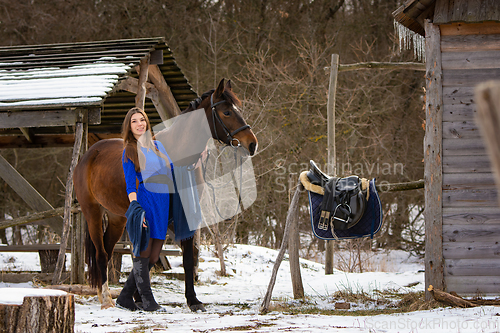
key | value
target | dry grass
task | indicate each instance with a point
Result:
(362, 303)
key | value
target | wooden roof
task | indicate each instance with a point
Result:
(65, 77)
(413, 12)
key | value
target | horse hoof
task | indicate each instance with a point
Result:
(196, 307)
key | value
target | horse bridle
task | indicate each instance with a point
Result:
(229, 135)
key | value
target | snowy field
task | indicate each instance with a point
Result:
(233, 302)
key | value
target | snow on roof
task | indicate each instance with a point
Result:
(80, 84)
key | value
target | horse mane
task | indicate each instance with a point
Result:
(227, 95)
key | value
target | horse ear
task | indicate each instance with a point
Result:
(228, 86)
(220, 89)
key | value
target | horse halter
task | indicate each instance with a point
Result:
(229, 135)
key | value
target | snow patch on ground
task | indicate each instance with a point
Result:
(233, 301)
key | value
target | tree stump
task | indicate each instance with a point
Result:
(46, 311)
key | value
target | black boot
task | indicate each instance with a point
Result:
(137, 297)
(141, 274)
(125, 299)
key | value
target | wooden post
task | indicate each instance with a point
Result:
(293, 255)
(293, 212)
(332, 93)
(68, 201)
(487, 97)
(143, 78)
(78, 228)
(78, 249)
(433, 156)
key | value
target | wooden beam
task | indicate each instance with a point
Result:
(25, 119)
(35, 217)
(292, 215)
(414, 185)
(332, 170)
(166, 97)
(28, 133)
(29, 194)
(132, 85)
(462, 29)
(293, 253)
(68, 199)
(143, 77)
(433, 155)
(416, 66)
(39, 141)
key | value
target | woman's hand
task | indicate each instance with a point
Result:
(132, 196)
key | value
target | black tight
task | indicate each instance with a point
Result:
(153, 250)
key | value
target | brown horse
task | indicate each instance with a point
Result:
(100, 185)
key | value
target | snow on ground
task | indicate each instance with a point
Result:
(233, 302)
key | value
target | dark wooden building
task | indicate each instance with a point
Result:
(462, 217)
(72, 95)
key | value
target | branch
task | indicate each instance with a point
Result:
(416, 66)
(444, 297)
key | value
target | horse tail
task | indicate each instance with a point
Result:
(94, 276)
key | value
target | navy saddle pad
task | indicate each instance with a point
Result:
(368, 225)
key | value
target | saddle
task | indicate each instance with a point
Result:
(341, 207)
(344, 200)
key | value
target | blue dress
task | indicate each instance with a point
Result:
(154, 198)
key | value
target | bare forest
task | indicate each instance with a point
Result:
(275, 52)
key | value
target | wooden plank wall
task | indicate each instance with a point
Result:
(471, 216)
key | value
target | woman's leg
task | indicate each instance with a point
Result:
(155, 246)
(129, 297)
(142, 265)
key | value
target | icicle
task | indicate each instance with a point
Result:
(409, 39)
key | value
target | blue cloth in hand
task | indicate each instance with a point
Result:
(139, 235)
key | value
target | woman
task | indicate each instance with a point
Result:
(147, 161)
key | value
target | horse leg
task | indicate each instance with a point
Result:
(188, 263)
(114, 231)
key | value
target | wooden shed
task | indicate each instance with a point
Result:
(74, 94)
(462, 217)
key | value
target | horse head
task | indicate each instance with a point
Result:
(223, 112)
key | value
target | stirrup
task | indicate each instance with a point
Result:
(316, 176)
